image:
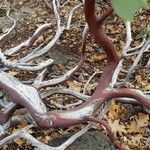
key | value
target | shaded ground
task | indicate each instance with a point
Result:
(93, 140)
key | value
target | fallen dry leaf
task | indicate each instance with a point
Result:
(19, 141)
(137, 125)
(117, 128)
(20, 126)
(98, 57)
(74, 85)
(115, 111)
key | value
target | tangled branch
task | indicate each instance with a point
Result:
(28, 96)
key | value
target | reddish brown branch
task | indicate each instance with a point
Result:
(108, 128)
(60, 118)
(99, 34)
(111, 93)
(126, 100)
(103, 17)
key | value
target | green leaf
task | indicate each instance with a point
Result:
(127, 8)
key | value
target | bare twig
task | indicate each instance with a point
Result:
(61, 78)
(89, 80)
(137, 47)
(24, 66)
(136, 61)
(64, 91)
(125, 49)
(38, 52)
(71, 14)
(12, 28)
(28, 42)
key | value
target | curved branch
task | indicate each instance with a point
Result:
(12, 28)
(108, 128)
(67, 75)
(24, 66)
(95, 25)
(143, 99)
(61, 78)
(29, 41)
(64, 91)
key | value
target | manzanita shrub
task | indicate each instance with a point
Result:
(28, 96)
